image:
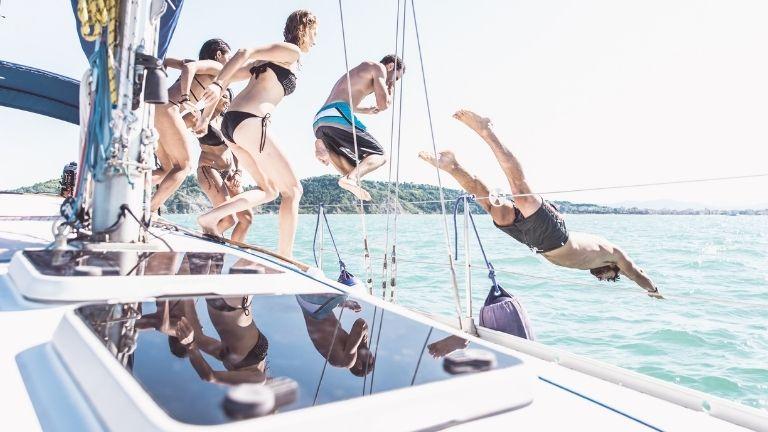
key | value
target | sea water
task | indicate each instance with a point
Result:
(709, 334)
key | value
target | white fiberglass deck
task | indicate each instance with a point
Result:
(41, 391)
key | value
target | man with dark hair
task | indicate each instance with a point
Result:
(342, 139)
(534, 221)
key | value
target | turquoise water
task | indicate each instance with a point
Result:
(710, 334)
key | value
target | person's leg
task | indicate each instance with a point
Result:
(170, 126)
(508, 162)
(215, 189)
(503, 215)
(244, 218)
(158, 174)
(248, 134)
(339, 162)
(350, 181)
(278, 169)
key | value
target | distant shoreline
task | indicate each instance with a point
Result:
(414, 199)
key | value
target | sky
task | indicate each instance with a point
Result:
(587, 93)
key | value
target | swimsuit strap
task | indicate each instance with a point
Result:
(264, 122)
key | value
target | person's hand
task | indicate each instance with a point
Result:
(185, 333)
(235, 179)
(201, 126)
(352, 305)
(212, 93)
(655, 294)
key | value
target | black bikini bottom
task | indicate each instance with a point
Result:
(232, 120)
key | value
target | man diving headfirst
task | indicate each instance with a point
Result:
(535, 222)
(335, 142)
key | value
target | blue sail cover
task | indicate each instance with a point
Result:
(39, 91)
(167, 26)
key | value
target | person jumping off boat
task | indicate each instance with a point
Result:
(270, 70)
(534, 221)
(218, 173)
(335, 142)
(174, 145)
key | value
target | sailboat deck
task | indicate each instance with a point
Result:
(42, 389)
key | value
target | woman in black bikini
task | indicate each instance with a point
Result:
(270, 70)
(242, 347)
(218, 173)
(174, 146)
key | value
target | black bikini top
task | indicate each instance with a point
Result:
(212, 138)
(284, 75)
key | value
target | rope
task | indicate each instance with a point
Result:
(591, 189)
(393, 267)
(491, 271)
(421, 355)
(478, 267)
(366, 251)
(325, 364)
(439, 180)
(392, 206)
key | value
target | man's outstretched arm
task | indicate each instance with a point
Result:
(635, 273)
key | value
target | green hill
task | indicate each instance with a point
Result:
(414, 199)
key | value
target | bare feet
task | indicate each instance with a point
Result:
(446, 160)
(475, 122)
(209, 224)
(321, 153)
(356, 189)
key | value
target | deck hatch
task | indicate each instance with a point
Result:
(256, 338)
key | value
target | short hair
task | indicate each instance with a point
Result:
(391, 58)
(597, 271)
(298, 25)
(211, 47)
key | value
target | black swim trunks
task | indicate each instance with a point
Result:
(543, 231)
(333, 125)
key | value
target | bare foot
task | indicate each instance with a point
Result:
(352, 186)
(321, 153)
(208, 224)
(446, 160)
(475, 122)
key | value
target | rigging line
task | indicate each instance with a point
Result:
(393, 264)
(421, 355)
(563, 191)
(366, 252)
(439, 179)
(376, 351)
(384, 274)
(373, 326)
(481, 268)
(330, 350)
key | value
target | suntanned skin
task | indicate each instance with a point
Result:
(212, 165)
(271, 168)
(364, 79)
(174, 146)
(342, 349)
(582, 251)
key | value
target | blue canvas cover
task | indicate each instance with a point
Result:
(38, 91)
(167, 26)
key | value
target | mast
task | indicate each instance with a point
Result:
(126, 182)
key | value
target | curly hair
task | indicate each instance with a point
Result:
(596, 272)
(298, 25)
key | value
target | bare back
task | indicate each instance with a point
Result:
(583, 251)
(361, 78)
